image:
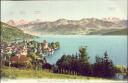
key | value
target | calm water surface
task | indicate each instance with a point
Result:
(116, 46)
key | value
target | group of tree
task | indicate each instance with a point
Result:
(104, 67)
(79, 64)
(54, 45)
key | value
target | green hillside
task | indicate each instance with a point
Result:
(10, 33)
(110, 32)
(118, 32)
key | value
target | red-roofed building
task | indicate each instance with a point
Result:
(21, 59)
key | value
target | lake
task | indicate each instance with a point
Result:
(116, 46)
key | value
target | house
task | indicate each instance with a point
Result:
(45, 44)
(19, 60)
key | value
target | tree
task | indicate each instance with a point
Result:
(83, 54)
(47, 66)
(57, 45)
(98, 67)
(61, 63)
(55, 69)
(53, 45)
(72, 64)
(108, 66)
(34, 57)
(104, 67)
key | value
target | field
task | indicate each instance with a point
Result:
(14, 73)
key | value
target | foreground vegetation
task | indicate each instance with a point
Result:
(13, 73)
(79, 64)
(69, 67)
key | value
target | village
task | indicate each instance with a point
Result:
(27, 54)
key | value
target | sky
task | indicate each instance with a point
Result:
(49, 10)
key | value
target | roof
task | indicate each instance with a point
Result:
(21, 58)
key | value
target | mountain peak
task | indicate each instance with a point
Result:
(111, 19)
(62, 20)
(11, 22)
(17, 22)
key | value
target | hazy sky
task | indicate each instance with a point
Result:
(73, 9)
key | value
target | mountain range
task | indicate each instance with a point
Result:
(85, 26)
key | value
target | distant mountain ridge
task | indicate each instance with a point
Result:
(73, 27)
(16, 23)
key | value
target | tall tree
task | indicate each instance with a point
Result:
(83, 54)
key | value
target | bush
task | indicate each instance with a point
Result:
(47, 66)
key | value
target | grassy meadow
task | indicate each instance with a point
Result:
(14, 73)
